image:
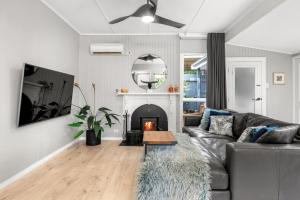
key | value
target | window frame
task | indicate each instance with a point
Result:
(182, 99)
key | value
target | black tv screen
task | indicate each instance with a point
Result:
(45, 94)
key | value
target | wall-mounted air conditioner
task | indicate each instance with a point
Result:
(107, 48)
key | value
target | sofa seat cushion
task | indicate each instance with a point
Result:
(220, 195)
(215, 146)
(193, 131)
(208, 147)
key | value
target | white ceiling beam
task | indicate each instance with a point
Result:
(104, 15)
(61, 16)
(192, 36)
(251, 17)
(187, 26)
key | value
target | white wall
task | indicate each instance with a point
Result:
(193, 46)
(279, 97)
(110, 72)
(30, 32)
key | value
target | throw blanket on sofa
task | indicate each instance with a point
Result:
(181, 173)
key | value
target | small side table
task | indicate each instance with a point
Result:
(158, 140)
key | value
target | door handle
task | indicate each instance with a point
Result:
(257, 99)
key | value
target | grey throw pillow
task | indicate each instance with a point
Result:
(245, 136)
(282, 135)
(221, 125)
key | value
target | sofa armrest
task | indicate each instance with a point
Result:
(263, 171)
(192, 120)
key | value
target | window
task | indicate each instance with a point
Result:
(195, 79)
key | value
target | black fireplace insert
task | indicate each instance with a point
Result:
(149, 117)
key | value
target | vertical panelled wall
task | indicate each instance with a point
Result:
(110, 72)
(279, 97)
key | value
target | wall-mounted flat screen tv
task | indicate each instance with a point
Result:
(45, 94)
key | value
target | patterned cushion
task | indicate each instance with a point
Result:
(205, 121)
(217, 113)
(282, 135)
(221, 125)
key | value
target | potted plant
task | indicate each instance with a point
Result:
(92, 121)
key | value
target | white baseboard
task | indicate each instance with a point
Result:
(112, 138)
(106, 138)
(34, 165)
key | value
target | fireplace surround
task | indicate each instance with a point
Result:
(167, 101)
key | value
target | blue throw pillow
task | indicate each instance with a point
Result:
(205, 119)
(273, 126)
(258, 132)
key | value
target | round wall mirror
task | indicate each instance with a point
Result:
(149, 71)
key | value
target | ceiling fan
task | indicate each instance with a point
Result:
(148, 14)
(147, 58)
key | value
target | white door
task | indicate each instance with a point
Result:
(246, 85)
(297, 90)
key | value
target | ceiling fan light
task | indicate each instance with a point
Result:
(147, 19)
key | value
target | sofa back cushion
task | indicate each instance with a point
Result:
(239, 124)
(259, 120)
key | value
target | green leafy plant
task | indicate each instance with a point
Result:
(91, 118)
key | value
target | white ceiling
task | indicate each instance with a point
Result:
(200, 16)
(279, 30)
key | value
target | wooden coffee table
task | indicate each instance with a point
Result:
(159, 140)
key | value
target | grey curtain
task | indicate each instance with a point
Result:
(216, 78)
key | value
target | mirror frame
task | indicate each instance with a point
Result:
(155, 56)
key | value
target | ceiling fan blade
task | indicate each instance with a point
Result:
(162, 20)
(119, 19)
(154, 3)
(144, 9)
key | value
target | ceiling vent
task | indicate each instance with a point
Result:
(107, 48)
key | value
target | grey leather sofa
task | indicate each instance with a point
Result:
(249, 171)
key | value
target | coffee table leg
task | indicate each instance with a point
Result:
(146, 150)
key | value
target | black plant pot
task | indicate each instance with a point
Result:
(92, 139)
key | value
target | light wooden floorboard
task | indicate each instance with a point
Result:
(104, 172)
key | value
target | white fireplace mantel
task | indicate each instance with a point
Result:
(167, 101)
(148, 94)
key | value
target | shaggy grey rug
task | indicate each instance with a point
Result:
(178, 174)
